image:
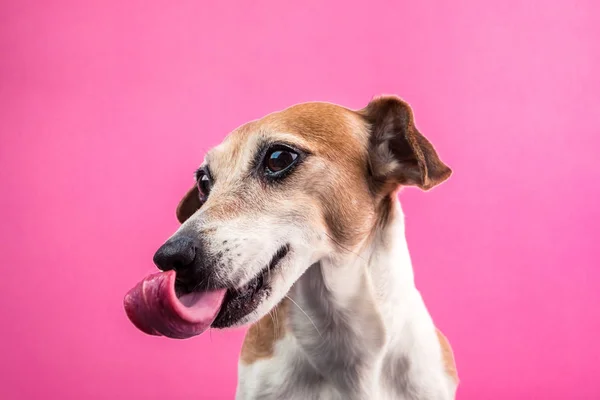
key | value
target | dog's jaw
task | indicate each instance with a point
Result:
(279, 280)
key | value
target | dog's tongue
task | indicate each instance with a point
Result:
(155, 309)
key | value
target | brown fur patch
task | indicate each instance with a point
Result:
(330, 130)
(188, 205)
(340, 184)
(261, 337)
(448, 356)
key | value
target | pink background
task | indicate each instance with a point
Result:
(107, 107)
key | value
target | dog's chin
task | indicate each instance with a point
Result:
(246, 304)
(263, 308)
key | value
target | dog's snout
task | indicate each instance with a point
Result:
(177, 253)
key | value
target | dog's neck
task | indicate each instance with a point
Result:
(348, 313)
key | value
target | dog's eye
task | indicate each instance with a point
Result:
(279, 159)
(204, 185)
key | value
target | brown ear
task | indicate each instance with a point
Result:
(188, 205)
(398, 153)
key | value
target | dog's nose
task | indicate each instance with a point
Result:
(177, 253)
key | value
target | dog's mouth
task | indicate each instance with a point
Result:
(241, 301)
(158, 305)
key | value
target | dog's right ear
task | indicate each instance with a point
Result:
(188, 205)
(398, 153)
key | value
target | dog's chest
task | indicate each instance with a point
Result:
(287, 374)
(282, 375)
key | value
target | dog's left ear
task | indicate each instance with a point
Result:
(398, 153)
(188, 205)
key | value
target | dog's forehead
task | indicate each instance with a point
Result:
(324, 129)
(320, 126)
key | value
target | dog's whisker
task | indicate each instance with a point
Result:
(342, 246)
(198, 286)
(307, 316)
(277, 317)
(258, 330)
(274, 324)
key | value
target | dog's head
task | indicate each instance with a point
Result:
(286, 191)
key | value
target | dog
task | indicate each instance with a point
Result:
(294, 226)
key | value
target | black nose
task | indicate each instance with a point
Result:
(177, 253)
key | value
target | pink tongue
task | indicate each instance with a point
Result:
(154, 308)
